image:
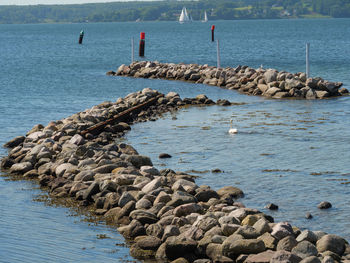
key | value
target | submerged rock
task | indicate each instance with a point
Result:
(324, 205)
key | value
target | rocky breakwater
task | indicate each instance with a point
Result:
(164, 214)
(265, 82)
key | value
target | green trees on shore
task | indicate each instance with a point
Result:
(170, 10)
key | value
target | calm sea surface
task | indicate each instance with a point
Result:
(294, 153)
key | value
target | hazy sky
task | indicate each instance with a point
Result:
(50, 2)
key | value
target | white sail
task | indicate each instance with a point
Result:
(205, 17)
(184, 16)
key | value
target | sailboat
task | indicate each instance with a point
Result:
(205, 17)
(184, 18)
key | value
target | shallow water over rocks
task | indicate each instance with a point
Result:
(285, 154)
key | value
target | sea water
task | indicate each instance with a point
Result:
(294, 153)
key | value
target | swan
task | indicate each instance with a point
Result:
(232, 130)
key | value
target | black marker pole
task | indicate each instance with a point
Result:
(81, 36)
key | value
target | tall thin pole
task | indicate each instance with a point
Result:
(218, 53)
(307, 60)
(132, 50)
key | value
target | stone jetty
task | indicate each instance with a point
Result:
(164, 214)
(264, 82)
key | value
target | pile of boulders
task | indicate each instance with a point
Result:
(164, 214)
(266, 82)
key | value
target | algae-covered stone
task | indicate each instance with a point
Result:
(149, 243)
(140, 253)
(139, 160)
(250, 220)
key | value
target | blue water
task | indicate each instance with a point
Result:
(294, 153)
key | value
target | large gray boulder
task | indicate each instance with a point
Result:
(93, 189)
(180, 198)
(152, 185)
(125, 198)
(271, 92)
(283, 256)
(85, 175)
(107, 168)
(186, 209)
(77, 139)
(143, 216)
(308, 236)
(185, 184)
(63, 168)
(176, 247)
(248, 232)
(263, 257)
(282, 230)
(149, 243)
(21, 168)
(205, 222)
(14, 142)
(305, 249)
(287, 243)
(235, 245)
(270, 75)
(332, 243)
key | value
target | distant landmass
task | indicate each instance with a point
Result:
(170, 11)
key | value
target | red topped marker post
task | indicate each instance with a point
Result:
(212, 33)
(142, 45)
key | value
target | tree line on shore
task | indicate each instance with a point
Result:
(170, 10)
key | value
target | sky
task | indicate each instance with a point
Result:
(55, 2)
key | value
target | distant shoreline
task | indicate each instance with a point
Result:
(167, 21)
(170, 11)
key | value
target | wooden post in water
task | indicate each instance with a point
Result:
(307, 60)
(218, 53)
(132, 50)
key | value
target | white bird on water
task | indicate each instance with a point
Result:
(232, 130)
